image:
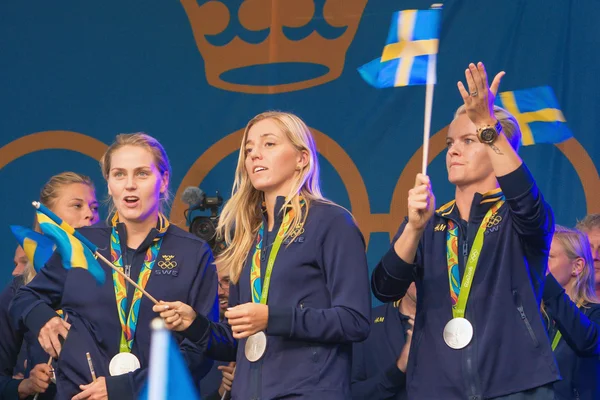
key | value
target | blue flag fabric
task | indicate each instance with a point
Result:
(75, 252)
(38, 247)
(538, 114)
(411, 46)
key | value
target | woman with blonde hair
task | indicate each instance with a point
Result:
(573, 315)
(111, 321)
(73, 198)
(299, 293)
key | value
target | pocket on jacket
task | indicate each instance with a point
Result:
(524, 319)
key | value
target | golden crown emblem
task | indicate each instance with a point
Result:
(273, 46)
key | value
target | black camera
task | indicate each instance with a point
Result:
(205, 227)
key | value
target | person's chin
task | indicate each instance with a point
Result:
(454, 179)
(131, 214)
(261, 185)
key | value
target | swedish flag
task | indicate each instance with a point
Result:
(411, 46)
(38, 247)
(538, 114)
(76, 251)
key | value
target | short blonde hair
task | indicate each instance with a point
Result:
(509, 123)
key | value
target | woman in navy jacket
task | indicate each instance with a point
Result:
(302, 250)
(72, 197)
(573, 315)
(479, 263)
(111, 321)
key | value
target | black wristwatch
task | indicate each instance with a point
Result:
(488, 134)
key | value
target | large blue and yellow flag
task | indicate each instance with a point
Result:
(38, 247)
(538, 114)
(76, 251)
(411, 46)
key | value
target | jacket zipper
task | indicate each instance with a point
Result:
(468, 356)
(521, 310)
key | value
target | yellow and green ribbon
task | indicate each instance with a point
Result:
(260, 290)
(459, 292)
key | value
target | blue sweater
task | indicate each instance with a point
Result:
(11, 343)
(578, 352)
(92, 310)
(510, 351)
(375, 374)
(319, 304)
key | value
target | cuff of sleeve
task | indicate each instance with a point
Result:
(516, 183)
(280, 321)
(197, 330)
(11, 390)
(552, 288)
(119, 387)
(38, 316)
(395, 377)
(396, 267)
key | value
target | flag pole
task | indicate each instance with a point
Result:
(431, 66)
(128, 279)
(94, 249)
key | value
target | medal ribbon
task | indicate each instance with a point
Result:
(459, 293)
(260, 292)
(556, 340)
(129, 321)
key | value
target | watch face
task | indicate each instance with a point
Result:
(488, 135)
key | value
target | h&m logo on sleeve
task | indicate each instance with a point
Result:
(167, 266)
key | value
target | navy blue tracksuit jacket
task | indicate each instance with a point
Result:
(578, 352)
(12, 340)
(190, 277)
(319, 304)
(510, 351)
(375, 375)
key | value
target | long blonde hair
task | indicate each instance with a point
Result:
(145, 141)
(242, 214)
(576, 245)
(49, 194)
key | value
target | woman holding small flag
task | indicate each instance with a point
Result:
(299, 294)
(109, 317)
(572, 313)
(72, 197)
(479, 263)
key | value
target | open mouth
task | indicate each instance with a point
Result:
(259, 169)
(131, 201)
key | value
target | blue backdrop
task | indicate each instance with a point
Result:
(192, 73)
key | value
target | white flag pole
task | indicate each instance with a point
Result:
(157, 371)
(431, 67)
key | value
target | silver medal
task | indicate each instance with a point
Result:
(123, 363)
(458, 333)
(255, 346)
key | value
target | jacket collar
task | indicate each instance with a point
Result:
(155, 233)
(279, 211)
(480, 205)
